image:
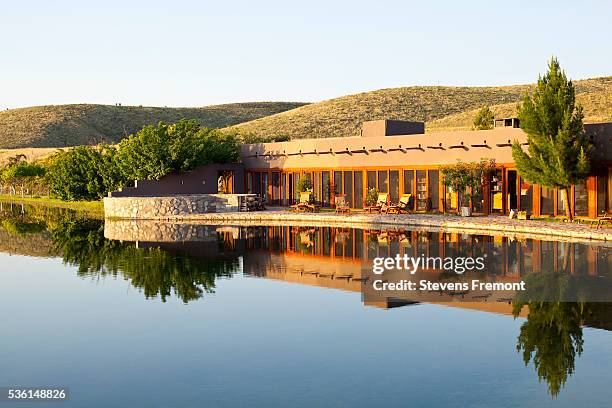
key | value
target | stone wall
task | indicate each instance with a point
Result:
(169, 207)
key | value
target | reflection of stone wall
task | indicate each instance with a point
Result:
(151, 231)
(168, 207)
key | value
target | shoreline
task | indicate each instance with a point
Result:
(489, 225)
(92, 207)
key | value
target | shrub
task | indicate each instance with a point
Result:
(304, 184)
(371, 196)
(484, 119)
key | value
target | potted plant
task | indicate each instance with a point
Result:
(466, 178)
(371, 196)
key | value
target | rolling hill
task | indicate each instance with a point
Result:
(71, 125)
(441, 106)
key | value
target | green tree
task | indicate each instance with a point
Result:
(19, 171)
(559, 153)
(304, 184)
(483, 119)
(84, 172)
(158, 150)
(463, 176)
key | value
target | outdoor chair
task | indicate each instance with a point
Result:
(401, 207)
(342, 206)
(381, 204)
(603, 219)
(305, 203)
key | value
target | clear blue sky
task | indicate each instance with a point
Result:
(194, 53)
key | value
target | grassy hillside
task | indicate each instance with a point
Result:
(597, 108)
(343, 116)
(70, 125)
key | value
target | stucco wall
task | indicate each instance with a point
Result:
(168, 207)
(201, 180)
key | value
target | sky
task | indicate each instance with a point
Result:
(196, 53)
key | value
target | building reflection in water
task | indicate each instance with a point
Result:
(163, 259)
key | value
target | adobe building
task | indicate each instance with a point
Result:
(398, 157)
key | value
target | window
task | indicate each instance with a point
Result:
(408, 182)
(348, 187)
(383, 181)
(325, 188)
(560, 202)
(337, 182)
(602, 191)
(547, 202)
(434, 192)
(264, 185)
(394, 185)
(296, 180)
(581, 199)
(283, 189)
(358, 175)
(316, 187)
(371, 180)
(249, 182)
(257, 183)
(421, 190)
(526, 197)
(276, 188)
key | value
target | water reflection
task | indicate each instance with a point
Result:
(551, 338)
(165, 259)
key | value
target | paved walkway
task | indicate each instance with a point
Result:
(489, 224)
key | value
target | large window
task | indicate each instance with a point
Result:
(325, 186)
(547, 201)
(284, 189)
(409, 182)
(264, 185)
(371, 180)
(296, 180)
(348, 187)
(603, 183)
(421, 190)
(383, 181)
(257, 183)
(526, 197)
(450, 199)
(561, 204)
(276, 188)
(434, 193)
(581, 199)
(358, 175)
(394, 185)
(249, 182)
(337, 182)
(316, 187)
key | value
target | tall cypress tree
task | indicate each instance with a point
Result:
(559, 153)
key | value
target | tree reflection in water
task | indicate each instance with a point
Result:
(153, 270)
(551, 337)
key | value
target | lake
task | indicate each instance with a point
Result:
(171, 315)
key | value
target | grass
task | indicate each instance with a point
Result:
(436, 105)
(91, 207)
(71, 125)
(597, 108)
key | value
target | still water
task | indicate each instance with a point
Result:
(190, 316)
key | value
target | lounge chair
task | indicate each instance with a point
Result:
(305, 203)
(342, 206)
(381, 204)
(401, 207)
(302, 206)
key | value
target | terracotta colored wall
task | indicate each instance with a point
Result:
(201, 180)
